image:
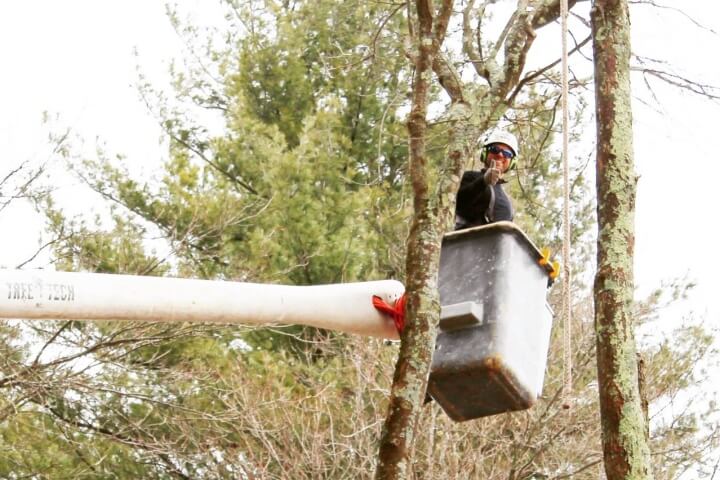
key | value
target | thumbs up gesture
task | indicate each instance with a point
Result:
(492, 174)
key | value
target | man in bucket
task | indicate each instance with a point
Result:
(481, 199)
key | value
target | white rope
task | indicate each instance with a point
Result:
(567, 324)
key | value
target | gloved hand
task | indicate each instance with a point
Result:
(492, 174)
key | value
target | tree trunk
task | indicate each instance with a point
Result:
(423, 257)
(625, 444)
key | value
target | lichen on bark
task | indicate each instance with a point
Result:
(625, 443)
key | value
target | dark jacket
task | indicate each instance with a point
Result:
(478, 203)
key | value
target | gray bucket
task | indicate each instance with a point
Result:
(492, 346)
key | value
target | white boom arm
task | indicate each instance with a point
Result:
(345, 307)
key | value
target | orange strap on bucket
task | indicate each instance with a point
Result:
(397, 312)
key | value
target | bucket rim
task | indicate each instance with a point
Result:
(503, 226)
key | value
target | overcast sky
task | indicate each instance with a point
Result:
(76, 59)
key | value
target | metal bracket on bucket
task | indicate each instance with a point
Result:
(459, 315)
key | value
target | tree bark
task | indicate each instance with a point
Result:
(625, 445)
(423, 257)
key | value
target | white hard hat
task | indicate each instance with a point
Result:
(501, 136)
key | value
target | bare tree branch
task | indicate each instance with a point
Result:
(674, 9)
(537, 73)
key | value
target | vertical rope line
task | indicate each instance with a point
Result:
(567, 324)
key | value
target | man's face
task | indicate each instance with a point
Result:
(501, 154)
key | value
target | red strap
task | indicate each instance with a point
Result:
(397, 312)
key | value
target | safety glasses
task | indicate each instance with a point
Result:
(505, 153)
